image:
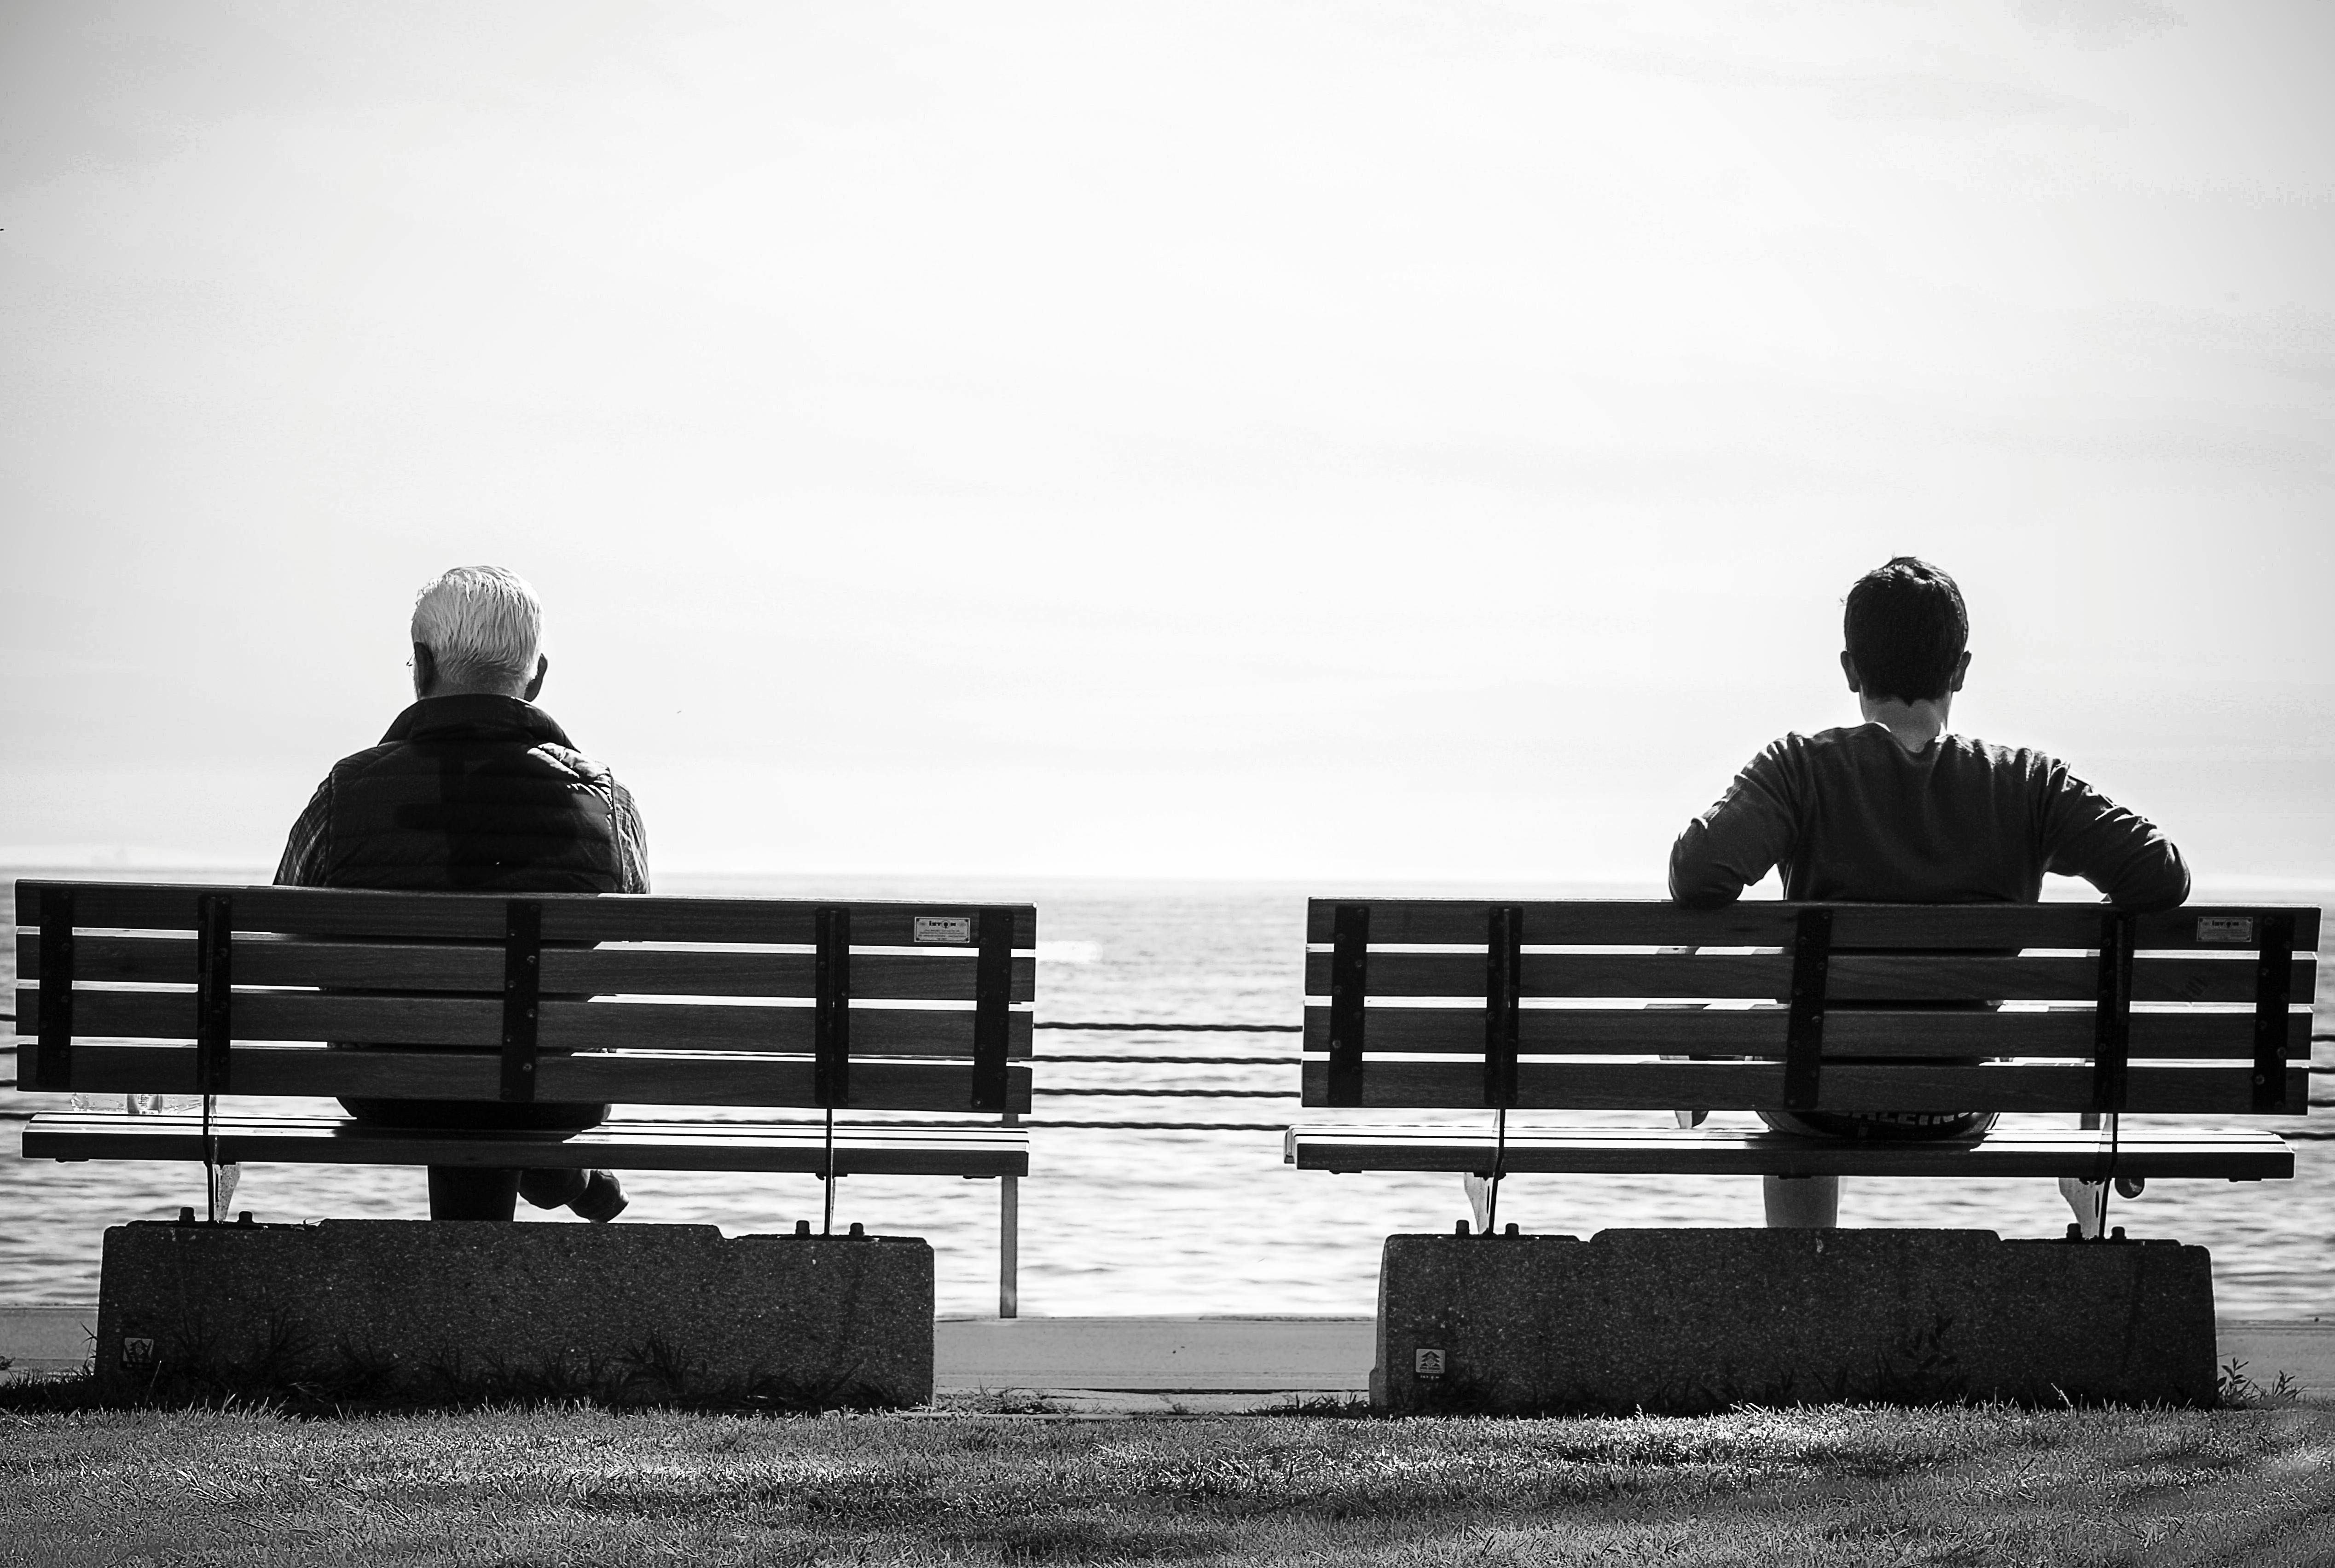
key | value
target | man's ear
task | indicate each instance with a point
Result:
(425, 670)
(542, 668)
(1848, 668)
(1962, 668)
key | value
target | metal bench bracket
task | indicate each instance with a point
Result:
(53, 1056)
(1502, 1010)
(2112, 1024)
(1349, 978)
(522, 996)
(214, 991)
(993, 996)
(2273, 990)
(1804, 1040)
(831, 1008)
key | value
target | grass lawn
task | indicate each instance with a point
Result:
(1847, 1486)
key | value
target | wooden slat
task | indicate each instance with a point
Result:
(578, 918)
(1850, 977)
(319, 912)
(1759, 1086)
(938, 975)
(266, 960)
(281, 1015)
(568, 917)
(2235, 1155)
(1761, 1032)
(941, 975)
(970, 1151)
(875, 1031)
(640, 1078)
(1649, 923)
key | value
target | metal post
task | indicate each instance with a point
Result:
(1499, 1159)
(1009, 1242)
(826, 1226)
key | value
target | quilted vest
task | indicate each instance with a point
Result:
(458, 797)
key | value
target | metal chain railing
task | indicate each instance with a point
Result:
(1183, 1028)
(1147, 1027)
(1140, 1027)
(1106, 1059)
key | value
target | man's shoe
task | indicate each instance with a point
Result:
(553, 1189)
(604, 1198)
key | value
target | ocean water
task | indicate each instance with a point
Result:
(1156, 1221)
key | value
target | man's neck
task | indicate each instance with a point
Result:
(442, 689)
(1912, 725)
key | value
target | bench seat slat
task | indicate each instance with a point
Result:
(1850, 977)
(1761, 1031)
(2239, 1155)
(1654, 922)
(941, 974)
(1759, 1086)
(449, 1021)
(633, 1078)
(972, 1150)
(567, 916)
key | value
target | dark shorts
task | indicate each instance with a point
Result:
(475, 1114)
(1880, 1124)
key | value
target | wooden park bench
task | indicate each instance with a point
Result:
(1455, 1005)
(873, 1009)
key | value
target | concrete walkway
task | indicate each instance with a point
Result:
(2304, 1350)
(1193, 1363)
(47, 1338)
(1137, 1365)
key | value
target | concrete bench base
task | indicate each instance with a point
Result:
(1687, 1321)
(404, 1308)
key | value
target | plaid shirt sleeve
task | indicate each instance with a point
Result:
(306, 850)
(632, 839)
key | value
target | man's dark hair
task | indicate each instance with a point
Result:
(1906, 628)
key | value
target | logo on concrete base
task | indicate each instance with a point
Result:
(137, 1353)
(1427, 1363)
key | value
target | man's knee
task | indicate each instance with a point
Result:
(1801, 1203)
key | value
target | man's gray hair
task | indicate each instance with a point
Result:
(484, 625)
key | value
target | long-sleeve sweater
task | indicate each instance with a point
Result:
(1850, 814)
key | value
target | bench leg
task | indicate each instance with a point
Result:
(1009, 1246)
(1801, 1203)
(468, 1193)
(2088, 1201)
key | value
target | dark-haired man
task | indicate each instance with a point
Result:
(1896, 810)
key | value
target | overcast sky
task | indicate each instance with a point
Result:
(1333, 440)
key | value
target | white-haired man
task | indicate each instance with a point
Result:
(474, 789)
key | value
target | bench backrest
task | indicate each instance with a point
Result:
(736, 1002)
(1447, 1003)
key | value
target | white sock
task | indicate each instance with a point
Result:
(1479, 1199)
(2083, 1198)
